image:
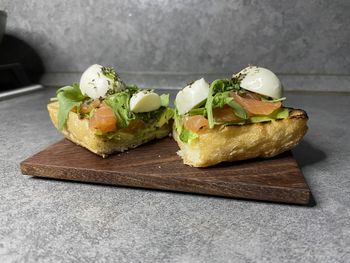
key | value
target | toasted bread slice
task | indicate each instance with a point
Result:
(241, 142)
(77, 130)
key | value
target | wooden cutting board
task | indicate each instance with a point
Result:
(156, 166)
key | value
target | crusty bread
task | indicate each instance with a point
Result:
(77, 130)
(234, 143)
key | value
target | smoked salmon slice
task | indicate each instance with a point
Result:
(224, 114)
(103, 119)
(195, 123)
(255, 106)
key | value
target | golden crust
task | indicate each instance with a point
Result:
(234, 143)
(77, 130)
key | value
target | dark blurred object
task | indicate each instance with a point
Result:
(20, 64)
(12, 76)
(3, 18)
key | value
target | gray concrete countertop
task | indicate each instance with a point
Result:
(45, 220)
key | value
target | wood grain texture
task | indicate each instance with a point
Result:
(156, 166)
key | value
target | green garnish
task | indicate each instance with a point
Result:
(110, 73)
(68, 97)
(187, 136)
(219, 96)
(165, 117)
(281, 113)
(198, 111)
(264, 99)
(119, 102)
(161, 115)
(164, 100)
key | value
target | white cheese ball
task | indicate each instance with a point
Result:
(144, 101)
(94, 83)
(262, 81)
(191, 96)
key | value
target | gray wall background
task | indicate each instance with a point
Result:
(167, 43)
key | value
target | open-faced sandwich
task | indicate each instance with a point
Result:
(104, 115)
(235, 119)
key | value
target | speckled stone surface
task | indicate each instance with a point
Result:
(306, 37)
(57, 221)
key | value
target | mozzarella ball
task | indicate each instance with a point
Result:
(94, 83)
(144, 101)
(262, 81)
(191, 96)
